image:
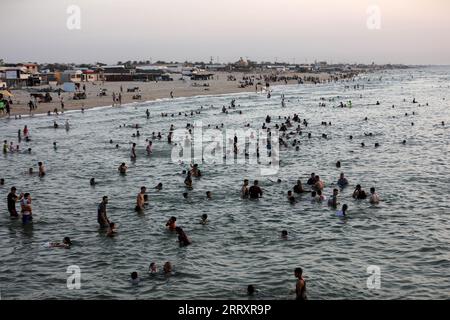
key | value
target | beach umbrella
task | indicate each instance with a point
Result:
(6, 93)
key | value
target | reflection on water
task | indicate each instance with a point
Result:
(407, 235)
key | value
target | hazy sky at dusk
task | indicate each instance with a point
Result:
(412, 31)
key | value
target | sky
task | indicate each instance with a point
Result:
(300, 31)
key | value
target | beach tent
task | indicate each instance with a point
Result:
(6, 93)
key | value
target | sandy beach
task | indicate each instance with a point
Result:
(149, 91)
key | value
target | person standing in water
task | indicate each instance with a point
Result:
(149, 147)
(26, 209)
(102, 218)
(255, 191)
(12, 199)
(374, 197)
(300, 286)
(41, 169)
(133, 152)
(123, 168)
(140, 201)
(244, 189)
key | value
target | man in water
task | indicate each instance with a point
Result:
(149, 147)
(333, 202)
(312, 179)
(342, 182)
(140, 201)
(171, 223)
(244, 189)
(195, 171)
(255, 191)
(12, 199)
(204, 219)
(41, 169)
(300, 286)
(102, 219)
(290, 197)
(26, 209)
(188, 180)
(66, 243)
(374, 197)
(133, 151)
(123, 168)
(298, 188)
(318, 185)
(359, 193)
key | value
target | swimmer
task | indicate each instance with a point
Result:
(54, 145)
(208, 195)
(66, 243)
(12, 198)
(244, 189)
(250, 290)
(167, 268)
(185, 195)
(134, 278)
(102, 218)
(41, 169)
(188, 180)
(159, 186)
(255, 192)
(312, 179)
(123, 168)
(112, 230)
(140, 200)
(204, 219)
(343, 212)
(26, 210)
(374, 197)
(320, 196)
(333, 201)
(342, 182)
(195, 171)
(30, 171)
(284, 234)
(300, 286)
(313, 196)
(298, 188)
(182, 237)
(149, 148)
(133, 151)
(171, 223)
(318, 185)
(359, 193)
(338, 164)
(152, 268)
(92, 182)
(290, 197)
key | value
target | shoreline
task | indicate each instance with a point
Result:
(150, 92)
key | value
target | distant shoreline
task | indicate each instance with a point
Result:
(150, 91)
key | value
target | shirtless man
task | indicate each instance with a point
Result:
(26, 209)
(133, 151)
(41, 169)
(300, 287)
(102, 219)
(195, 171)
(244, 189)
(123, 168)
(374, 197)
(140, 201)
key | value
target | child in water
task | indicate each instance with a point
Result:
(66, 243)
(112, 230)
